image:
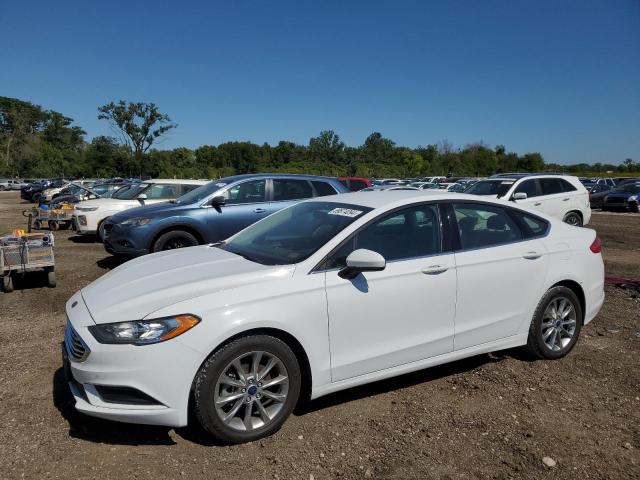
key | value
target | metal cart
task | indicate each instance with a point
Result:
(26, 252)
(55, 219)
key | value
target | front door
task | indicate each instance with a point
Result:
(405, 313)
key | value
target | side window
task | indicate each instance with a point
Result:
(551, 186)
(323, 188)
(288, 189)
(188, 188)
(530, 187)
(483, 226)
(246, 192)
(358, 185)
(159, 190)
(534, 226)
(409, 233)
(566, 186)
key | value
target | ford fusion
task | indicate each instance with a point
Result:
(305, 302)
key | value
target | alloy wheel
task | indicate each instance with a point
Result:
(251, 391)
(558, 324)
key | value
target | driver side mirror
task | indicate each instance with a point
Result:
(142, 196)
(519, 196)
(362, 260)
(218, 201)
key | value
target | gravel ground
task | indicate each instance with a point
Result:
(493, 416)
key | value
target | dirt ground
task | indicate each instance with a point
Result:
(492, 416)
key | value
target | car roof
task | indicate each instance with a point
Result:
(381, 198)
(518, 176)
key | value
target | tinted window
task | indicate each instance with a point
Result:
(483, 226)
(534, 226)
(188, 188)
(409, 233)
(490, 187)
(246, 192)
(323, 188)
(566, 186)
(530, 187)
(358, 185)
(550, 186)
(286, 189)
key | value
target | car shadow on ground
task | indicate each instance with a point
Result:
(111, 262)
(28, 280)
(97, 430)
(83, 239)
(104, 431)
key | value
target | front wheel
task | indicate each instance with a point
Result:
(572, 218)
(556, 324)
(174, 239)
(247, 389)
(54, 225)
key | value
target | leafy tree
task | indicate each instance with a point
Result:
(139, 125)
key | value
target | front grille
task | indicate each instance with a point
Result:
(75, 346)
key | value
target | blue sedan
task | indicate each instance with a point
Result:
(210, 213)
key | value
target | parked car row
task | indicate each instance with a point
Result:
(624, 196)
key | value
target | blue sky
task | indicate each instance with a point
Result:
(560, 77)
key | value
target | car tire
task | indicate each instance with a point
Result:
(100, 231)
(633, 207)
(573, 218)
(174, 239)
(255, 410)
(37, 224)
(553, 335)
(54, 225)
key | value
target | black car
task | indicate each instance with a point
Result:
(624, 197)
(597, 193)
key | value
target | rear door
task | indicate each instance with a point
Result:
(288, 191)
(556, 200)
(500, 273)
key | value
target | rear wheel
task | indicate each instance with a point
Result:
(573, 218)
(54, 225)
(556, 324)
(37, 224)
(174, 239)
(247, 389)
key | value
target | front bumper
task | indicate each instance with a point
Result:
(163, 372)
(127, 241)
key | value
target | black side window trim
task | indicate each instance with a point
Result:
(444, 234)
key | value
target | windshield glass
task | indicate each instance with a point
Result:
(131, 192)
(490, 187)
(293, 234)
(202, 192)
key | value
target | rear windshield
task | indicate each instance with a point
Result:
(490, 187)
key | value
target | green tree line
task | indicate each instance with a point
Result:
(42, 143)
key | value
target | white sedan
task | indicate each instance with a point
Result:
(322, 296)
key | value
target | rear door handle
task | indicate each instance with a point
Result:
(260, 210)
(434, 269)
(531, 255)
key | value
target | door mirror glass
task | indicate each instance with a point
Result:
(519, 196)
(362, 260)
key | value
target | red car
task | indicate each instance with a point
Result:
(354, 184)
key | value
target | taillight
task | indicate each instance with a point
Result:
(596, 246)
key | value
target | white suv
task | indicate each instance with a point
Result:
(561, 196)
(90, 215)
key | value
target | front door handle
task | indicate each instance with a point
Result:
(537, 204)
(565, 199)
(531, 255)
(260, 210)
(434, 269)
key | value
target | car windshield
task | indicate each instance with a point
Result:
(131, 192)
(490, 187)
(293, 234)
(202, 192)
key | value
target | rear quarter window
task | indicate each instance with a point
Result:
(532, 226)
(323, 188)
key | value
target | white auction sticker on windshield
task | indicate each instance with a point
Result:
(345, 212)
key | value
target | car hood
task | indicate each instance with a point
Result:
(156, 209)
(144, 285)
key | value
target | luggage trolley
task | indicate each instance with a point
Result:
(55, 219)
(26, 252)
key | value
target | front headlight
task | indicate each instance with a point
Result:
(87, 209)
(633, 198)
(135, 222)
(144, 332)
